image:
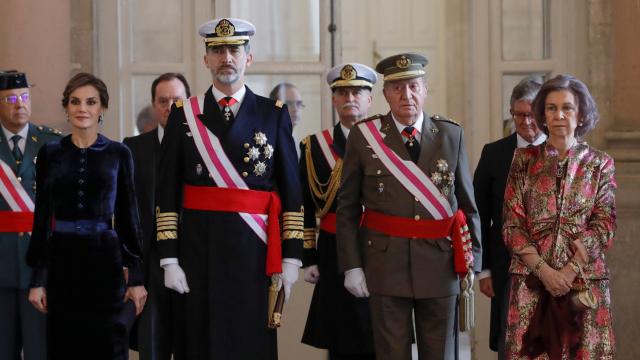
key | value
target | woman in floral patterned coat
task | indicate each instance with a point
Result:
(559, 220)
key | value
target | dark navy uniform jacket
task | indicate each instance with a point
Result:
(225, 312)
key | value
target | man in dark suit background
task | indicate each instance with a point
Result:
(154, 336)
(489, 182)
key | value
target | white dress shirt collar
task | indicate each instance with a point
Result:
(238, 95)
(345, 131)
(417, 125)
(23, 137)
(522, 143)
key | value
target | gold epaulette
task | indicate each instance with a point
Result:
(178, 103)
(374, 117)
(166, 225)
(442, 118)
(309, 238)
(293, 225)
(279, 103)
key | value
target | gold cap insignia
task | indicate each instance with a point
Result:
(403, 62)
(225, 28)
(348, 72)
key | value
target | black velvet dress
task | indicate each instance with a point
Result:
(86, 229)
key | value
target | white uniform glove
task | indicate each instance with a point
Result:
(289, 277)
(311, 274)
(355, 282)
(175, 279)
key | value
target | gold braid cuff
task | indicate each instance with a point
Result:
(293, 225)
(309, 238)
(167, 225)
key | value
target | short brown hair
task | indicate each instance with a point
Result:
(84, 79)
(168, 77)
(588, 116)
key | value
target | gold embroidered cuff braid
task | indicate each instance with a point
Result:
(309, 238)
(166, 225)
(292, 225)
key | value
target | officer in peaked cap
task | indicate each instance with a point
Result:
(20, 141)
(337, 320)
(214, 253)
(397, 250)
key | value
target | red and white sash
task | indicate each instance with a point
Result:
(408, 173)
(218, 164)
(325, 140)
(12, 191)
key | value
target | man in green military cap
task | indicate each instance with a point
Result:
(22, 327)
(408, 227)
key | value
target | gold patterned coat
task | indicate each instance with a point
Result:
(539, 213)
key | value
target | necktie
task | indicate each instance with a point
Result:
(413, 146)
(226, 108)
(17, 154)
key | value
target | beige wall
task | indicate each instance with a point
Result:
(34, 38)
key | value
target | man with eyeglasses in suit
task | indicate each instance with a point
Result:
(22, 327)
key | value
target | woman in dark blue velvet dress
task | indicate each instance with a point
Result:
(86, 230)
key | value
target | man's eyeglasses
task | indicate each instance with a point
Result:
(12, 99)
(522, 115)
(297, 103)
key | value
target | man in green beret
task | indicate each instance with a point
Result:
(408, 227)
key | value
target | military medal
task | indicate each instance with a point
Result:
(199, 169)
(260, 138)
(381, 187)
(259, 168)
(253, 153)
(268, 151)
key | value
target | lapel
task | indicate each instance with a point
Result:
(339, 141)
(212, 117)
(245, 118)
(5, 153)
(30, 149)
(430, 142)
(392, 138)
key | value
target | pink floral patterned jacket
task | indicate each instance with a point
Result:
(539, 213)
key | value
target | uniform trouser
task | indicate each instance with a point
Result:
(391, 318)
(22, 327)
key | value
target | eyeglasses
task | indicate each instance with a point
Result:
(12, 99)
(297, 103)
(522, 115)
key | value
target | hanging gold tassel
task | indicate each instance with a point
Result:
(467, 303)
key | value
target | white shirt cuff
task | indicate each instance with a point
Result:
(293, 261)
(167, 261)
(486, 273)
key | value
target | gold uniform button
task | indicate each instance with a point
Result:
(245, 174)
(19, 178)
(416, 218)
(379, 172)
(369, 242)
(246, 145)
(246, 159)
(20, 234)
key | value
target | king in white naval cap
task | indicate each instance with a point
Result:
(226, 157)
(337, 321)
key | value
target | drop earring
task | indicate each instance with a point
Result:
(100, 119)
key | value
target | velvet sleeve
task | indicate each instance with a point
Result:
(288, 183)
(482, 192)
(39, 247)
(127, 221)
(514, 215)
(601, 225)
(310, 256)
